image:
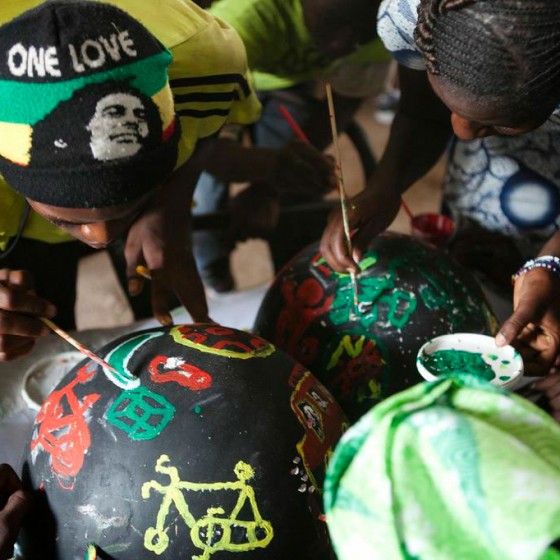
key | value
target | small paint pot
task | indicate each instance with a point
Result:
(436, 229)
(474, 354)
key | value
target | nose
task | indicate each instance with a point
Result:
(468, 130)
(99, 235)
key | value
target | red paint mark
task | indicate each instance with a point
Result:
(351, 373)
(316, 445)
(302, 306)
(184, 374)
(249, 346)
(62, 429)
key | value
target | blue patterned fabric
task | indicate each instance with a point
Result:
(507, 184)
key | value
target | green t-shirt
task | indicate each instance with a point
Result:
(280, 51)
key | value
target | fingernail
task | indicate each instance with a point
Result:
(165, 320)
(134, 286)
(51, 311)
(500, 340)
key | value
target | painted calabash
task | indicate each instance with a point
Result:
(408, 291)
(209, 444)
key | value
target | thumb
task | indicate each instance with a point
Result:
(512, 327)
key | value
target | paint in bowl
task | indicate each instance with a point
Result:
(433, 228)
(474, 354)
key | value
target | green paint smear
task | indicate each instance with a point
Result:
(493, 356)
(448, 362)
(505, 377)
(197, 409)
(506, 362)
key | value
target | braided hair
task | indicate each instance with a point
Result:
(507, 51)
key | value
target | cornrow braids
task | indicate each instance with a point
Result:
(507, 50)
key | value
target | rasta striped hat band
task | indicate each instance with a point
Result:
(86, 112)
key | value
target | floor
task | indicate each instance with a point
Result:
(101, 302)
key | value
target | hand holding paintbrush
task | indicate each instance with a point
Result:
(25, 317)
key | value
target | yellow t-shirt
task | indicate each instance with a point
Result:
(208, 57)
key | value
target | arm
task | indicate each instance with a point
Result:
(161, 240)
(534, 326)
(20, 310)
(14, 503)
(318, 126)
(278, 169)
(418, 137)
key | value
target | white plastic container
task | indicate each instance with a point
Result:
(471, 353)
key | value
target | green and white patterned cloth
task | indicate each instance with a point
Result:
(448, 470)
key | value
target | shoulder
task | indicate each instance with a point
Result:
(396, 22)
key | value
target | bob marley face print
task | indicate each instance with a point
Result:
(119, 127)
(87, 116)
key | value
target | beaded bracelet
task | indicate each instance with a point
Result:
(548, 261)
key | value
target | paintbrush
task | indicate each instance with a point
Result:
(144, 272)
(296, 129)
(341, 190)
(91, 552)
(83, 349)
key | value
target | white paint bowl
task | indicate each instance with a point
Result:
(43, 376)
(504, 361)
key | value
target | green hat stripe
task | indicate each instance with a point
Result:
(146, 75)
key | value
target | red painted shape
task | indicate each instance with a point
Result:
(184, 374)
(302, 307)
(62, 429)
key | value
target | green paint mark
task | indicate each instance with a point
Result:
(141, 413)
(447, 362)
(197, 409)
(504, 378)
(91, 552)
(492, 356)
(506, 362)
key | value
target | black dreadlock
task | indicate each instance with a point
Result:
(505, 50)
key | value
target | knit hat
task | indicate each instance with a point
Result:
(86, 112)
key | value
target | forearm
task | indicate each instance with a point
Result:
(552, 246)
(414, 147)
(418, 137)
(231, 162)
(318, 126)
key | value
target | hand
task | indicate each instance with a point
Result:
(14, 503)
(534, 326)
(550, 386)
(254, 213)
(302, 171)
(20, 310)
(369, 213)
(160, 240)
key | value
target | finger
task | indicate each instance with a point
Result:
(334, 249)
(22, 279)
(12, 347)
(21, 325)
(547, 382)
(512, 327)
(160, 299)
(134, 258)
(9, 482)
(11, 518)
(21, 302)
(190, 292)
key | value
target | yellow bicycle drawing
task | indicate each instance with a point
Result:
(212, 532)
